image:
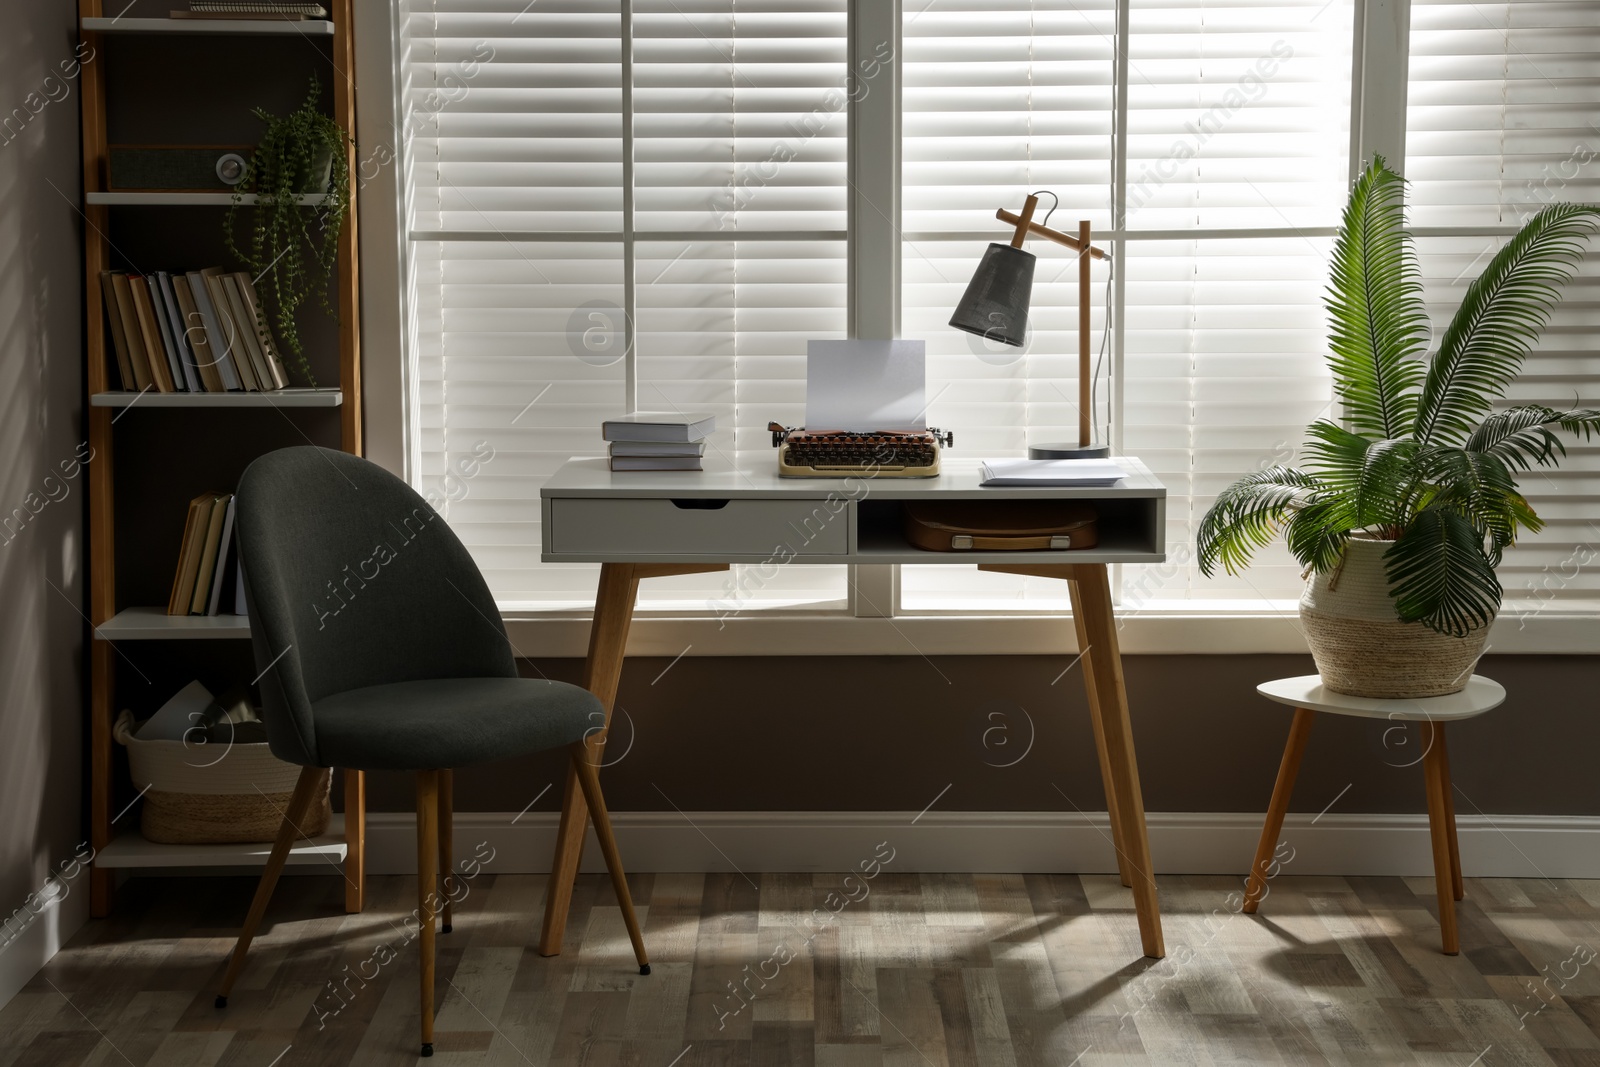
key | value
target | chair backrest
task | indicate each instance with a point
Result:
(353, 580)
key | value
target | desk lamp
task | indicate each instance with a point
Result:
(995, 306)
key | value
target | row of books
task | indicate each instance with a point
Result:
(199, 332)
(208, 580)
(658, 441)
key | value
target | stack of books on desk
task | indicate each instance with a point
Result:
(658, 440)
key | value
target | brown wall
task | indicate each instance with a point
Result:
(889, 732)
(42, 588)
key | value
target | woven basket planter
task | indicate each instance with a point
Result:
(1363, 649)
(214, 794)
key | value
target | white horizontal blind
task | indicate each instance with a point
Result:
(1000, 99)
(519, 237)
(1502, 120)
(1236, 153)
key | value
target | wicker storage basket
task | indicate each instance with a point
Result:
(210, 794)
(1359, 643)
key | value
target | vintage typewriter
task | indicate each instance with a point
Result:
(838, 453)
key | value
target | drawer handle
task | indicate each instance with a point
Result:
(698, 504)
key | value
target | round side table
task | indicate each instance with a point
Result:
(1307, 696)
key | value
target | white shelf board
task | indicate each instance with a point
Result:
(212, 27)
(154, 624)
(322, 397)
(130, 849)
(181, 199)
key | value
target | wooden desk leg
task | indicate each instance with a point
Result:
(1255, 886)
(608, 640)
(1456, 884)
(1104, 753)
(1108, 704)
(355, 841)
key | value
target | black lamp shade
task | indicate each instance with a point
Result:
(995, 305)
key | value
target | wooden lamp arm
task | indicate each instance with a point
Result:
(1025, 224)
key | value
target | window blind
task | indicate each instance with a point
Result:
(1236, 154)
(519, 128)
(1501, 120)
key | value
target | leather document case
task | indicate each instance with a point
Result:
(1001, 525)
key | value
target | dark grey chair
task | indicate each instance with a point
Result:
(381, 649)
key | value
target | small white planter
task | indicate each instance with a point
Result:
(1359, 643)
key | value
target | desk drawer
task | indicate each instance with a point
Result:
(642, 527)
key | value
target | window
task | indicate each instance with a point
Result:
(608, 199)
(1502, 115)
(1233, 130)
(588, 219)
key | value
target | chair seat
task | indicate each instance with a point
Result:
(443, 723)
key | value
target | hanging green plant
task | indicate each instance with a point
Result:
(294, 246)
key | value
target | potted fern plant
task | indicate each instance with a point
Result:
(294, 245)
(1402, 510)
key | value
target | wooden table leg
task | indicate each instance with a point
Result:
(1102, 751)
(608, 640)
(1255, 886)
(355, 841)
(1456, 884)
(1108, 703)
(1436, 773)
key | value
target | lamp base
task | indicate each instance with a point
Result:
(1065, 451)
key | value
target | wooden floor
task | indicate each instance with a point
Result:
(920, 969)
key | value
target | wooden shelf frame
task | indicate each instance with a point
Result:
(102, 411)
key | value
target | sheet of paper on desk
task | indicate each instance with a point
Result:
(1044, 472)
(866, 385)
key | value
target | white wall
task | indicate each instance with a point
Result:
(42, 559)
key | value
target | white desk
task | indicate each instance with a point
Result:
(643, 525)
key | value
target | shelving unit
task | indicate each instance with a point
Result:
(327, 396)
(189, 442)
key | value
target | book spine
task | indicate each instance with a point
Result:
(142, 378)
(119, 340)
(173, 322)
(216, 340)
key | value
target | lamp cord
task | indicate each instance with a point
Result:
(1053, 206)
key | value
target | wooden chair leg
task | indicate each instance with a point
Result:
(427, 891)
(305, 789)
(1456, 884)
(447, 801)
(1255, 888)
(1436, 772)
(589, 778)
(355, 841)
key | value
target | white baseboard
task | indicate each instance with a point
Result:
(1495, 846)
(43, 937)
